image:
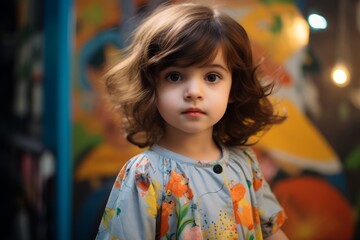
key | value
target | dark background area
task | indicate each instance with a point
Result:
(339, 121)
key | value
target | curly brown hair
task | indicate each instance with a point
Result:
(188, 34)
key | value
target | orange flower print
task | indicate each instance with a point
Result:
(120, 177)
(142, 181)
(166, 210)
(189, 194)
(117, 183)
(280, 218)
(257, 181)
(237, 192)
(142, 177)
(256, 215)
(279, 221)
(178, 185)
(246, 216)
(242, 208)
(143, 162)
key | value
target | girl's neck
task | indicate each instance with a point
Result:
(200, 147)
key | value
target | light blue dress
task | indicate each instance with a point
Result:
(160, 194)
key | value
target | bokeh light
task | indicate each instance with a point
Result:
(340, 75)
(317, 21)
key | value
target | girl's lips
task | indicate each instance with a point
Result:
(193, 112)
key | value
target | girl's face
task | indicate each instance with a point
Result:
(193, 99)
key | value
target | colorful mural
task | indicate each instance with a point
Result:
(296, 159)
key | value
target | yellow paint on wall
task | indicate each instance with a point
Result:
(297, 136)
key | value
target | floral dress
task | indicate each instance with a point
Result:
(159, 194)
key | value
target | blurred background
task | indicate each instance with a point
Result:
(61, 147)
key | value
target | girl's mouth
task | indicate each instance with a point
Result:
(193, 112)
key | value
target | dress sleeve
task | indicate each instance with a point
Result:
(131, 209)
(272, 215)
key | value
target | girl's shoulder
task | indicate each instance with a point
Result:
(246, 157)
(243, 152)
(141, 167)
(143, 160)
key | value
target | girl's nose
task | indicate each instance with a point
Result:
(194, 90)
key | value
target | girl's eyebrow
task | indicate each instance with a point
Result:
(210, 65)
(215, 65)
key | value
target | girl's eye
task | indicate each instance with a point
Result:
(174, 77)
(212, 77)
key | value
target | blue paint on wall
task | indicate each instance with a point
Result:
(58, 38)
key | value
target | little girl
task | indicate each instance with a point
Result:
(188, 90)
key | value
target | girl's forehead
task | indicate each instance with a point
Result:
(204, 56)
(218, 58)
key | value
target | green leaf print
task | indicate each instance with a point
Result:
(250, 236)
(183, 225)
(248, 183)
(183, 211)
(182, 220)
